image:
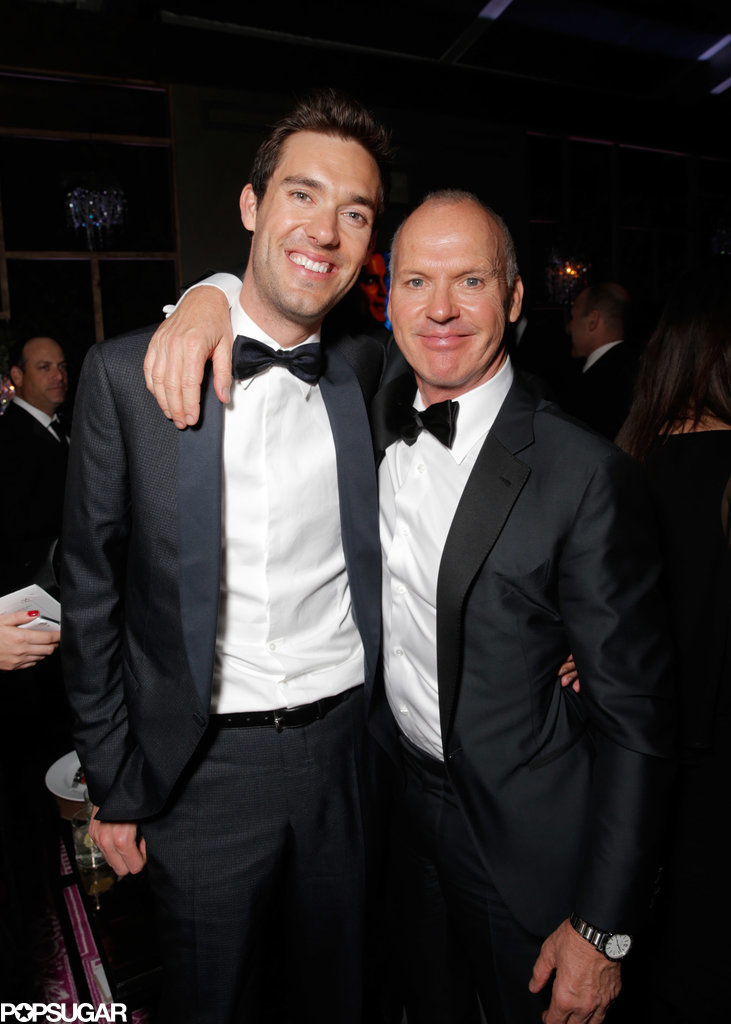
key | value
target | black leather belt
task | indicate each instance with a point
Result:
(281, 718)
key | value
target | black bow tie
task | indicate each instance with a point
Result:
(251, 357)
(439, 419)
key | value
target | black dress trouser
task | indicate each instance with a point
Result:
(258, 870)
(456, 938)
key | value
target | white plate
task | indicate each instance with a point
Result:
(60, 778)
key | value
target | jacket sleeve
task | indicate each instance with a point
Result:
(96, 530)
(611, 604)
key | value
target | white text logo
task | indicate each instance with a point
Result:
(57, 1013)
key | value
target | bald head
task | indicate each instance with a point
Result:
(507, 262)
(451, 263)
(598, 316)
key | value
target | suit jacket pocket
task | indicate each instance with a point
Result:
(533, 590)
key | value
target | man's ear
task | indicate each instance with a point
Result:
(516, 300)
(16, 376)
(248, 205)
(593, 319)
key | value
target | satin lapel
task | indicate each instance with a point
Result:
(356, 470)
(385, 411)
(397, 387)
(199, 538)
(492, 489)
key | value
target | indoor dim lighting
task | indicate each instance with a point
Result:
(7, 392)
(565, 277)
(96, 211)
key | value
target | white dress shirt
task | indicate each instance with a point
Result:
(420, 488)
(286, 634)
(227, 283)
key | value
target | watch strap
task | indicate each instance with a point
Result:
(587, 931)
(613, 945)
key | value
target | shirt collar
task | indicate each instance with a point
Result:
(478, 410)
(242, 323)
(596, 355)
(43, 418)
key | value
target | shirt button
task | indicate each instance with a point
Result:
(272, 646)
(399, 652)
(404, 711)
(421, 468)
(400, 589)
(404, 531)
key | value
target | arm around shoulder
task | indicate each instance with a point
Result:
(197, 330)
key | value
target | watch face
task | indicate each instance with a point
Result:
(617, 946)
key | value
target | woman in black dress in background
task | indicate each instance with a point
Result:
(679, 426)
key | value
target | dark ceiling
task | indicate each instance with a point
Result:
(641, 49)
(567, 64)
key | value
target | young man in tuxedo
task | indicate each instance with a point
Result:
(220, 602)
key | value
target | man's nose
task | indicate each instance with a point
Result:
(323, 227)
(442, 306)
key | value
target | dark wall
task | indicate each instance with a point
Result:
(635, 188)
(216, 133)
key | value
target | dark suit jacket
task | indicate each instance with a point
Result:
(552, 549)
(142, 552)
(34, 476)
(602, 395)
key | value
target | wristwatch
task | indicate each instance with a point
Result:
(614, 945)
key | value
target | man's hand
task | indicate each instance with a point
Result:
(21, 648)
(118, 842)
(179, 349)
(586, 983)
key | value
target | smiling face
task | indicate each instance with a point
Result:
(43, 380)
(449, 301)
(313, 232)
